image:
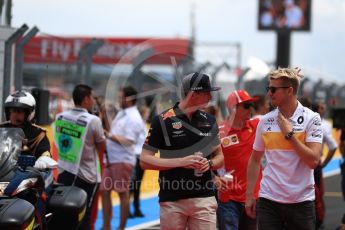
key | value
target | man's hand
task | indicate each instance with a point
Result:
(192, 162)
(204, 165)
(284, 124)
(45, 162)
(221, 183)
(250, 207)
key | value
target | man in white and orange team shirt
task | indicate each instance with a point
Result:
(290, 136)
(237, 135)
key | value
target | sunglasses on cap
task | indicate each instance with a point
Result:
(247, 105)
(273, 89)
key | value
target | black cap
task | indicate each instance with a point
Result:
(197, 82)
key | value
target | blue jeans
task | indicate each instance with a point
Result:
(232, 216)
(275, 216)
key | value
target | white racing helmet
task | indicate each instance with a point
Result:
(22, 100)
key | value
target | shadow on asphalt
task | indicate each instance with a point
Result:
(334, 202)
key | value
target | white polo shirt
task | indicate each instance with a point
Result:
(328, 138)
(129, 124)
(286, 178)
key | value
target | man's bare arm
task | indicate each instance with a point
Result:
(149, 161)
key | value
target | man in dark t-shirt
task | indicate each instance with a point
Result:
(188, 142)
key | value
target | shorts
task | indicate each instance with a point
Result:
(194, 213)
(117, 177)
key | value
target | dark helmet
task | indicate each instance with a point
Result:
(21, 100)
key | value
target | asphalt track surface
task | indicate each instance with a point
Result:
(335, 205)
(334, 202)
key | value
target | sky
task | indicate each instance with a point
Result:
(320, 52)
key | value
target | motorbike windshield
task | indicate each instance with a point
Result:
(11, 140)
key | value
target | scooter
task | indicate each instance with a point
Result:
(10, 217)
(23, 202)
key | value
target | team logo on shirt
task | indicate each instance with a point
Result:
(204, 124)
(177, 125)
(317, 133)
(205, 134)
(269, 121)
(168, 114)
(226, 141)
(300, 120)
(230, 140)
(234, 139)
(317, 123)
(178, 132)
(203, 114)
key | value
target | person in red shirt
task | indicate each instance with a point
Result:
(237, 135)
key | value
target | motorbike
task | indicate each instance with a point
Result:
(25, 200)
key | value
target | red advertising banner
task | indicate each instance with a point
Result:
(61, 50)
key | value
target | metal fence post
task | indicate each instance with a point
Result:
(8, 62)
(19, 58)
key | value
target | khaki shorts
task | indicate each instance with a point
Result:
(116, 177)
(193, 213)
